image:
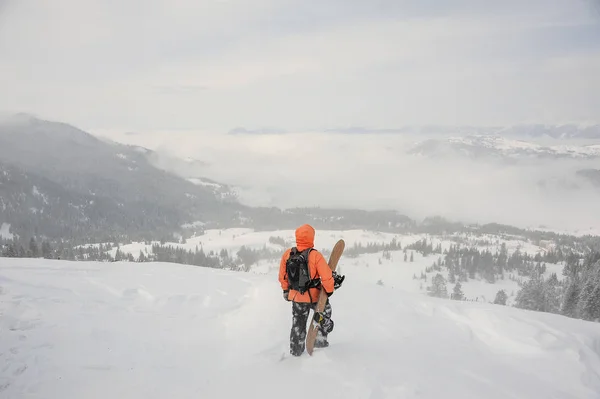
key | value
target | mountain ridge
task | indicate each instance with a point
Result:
(564, 131)
(134, 192)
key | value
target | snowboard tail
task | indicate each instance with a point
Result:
(311, 336)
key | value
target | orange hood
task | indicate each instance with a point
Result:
(305, 237)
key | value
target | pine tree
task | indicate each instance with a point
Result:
(538, 295)
(438, 287)
(571, 298)
(46, 250)
(457, 293)
(33, 248)
(452, 277)
(589, 298)
(247, 256)
(591, 308)
(531, 295)
(10, 251)
(572, 266)
(21, 253)
(502, 258)
(501, 298)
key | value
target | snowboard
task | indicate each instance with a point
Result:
(311, 336)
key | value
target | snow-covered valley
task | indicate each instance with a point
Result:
(405, 268)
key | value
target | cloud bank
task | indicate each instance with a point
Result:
(375, 172)
(300, 65)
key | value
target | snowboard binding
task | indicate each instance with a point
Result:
(319, 318)
(325, 325)
(337, 280)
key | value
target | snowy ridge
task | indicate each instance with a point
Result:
(477, 145)
(95, 330)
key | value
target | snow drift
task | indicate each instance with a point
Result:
(128, 330)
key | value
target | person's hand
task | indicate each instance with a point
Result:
(285, 295)
(337, 280)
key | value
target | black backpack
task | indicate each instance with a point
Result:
(297, 271)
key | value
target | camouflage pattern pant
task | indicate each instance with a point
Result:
(300, 313)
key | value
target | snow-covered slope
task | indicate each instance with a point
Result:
(127, 330)
(477, 146)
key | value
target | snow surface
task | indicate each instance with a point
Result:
(128, 330)
(200, 182)
(5, 232)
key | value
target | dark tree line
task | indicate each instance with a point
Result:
(577, 296)
(425, 248)
(464, 263)
(581, 298)
(241, 260)
(169, 253)
(33, 249)
(369, 248)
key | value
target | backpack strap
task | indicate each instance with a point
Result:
(315, 282)
(306, 254)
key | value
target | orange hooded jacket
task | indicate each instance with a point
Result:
(317, 267)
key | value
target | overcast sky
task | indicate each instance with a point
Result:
(300, 64)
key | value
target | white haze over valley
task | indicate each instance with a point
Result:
(374, 171)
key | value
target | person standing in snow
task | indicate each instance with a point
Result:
(302, 282)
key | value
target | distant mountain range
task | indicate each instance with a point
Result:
(567, 131)
(480, 146)
(242, 130)
(523, 131)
